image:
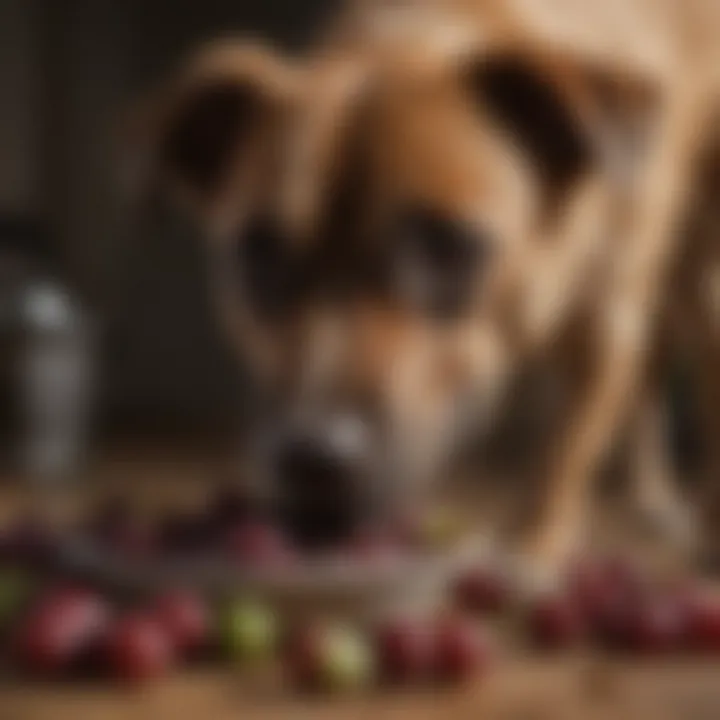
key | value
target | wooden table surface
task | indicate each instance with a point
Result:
(520, 688)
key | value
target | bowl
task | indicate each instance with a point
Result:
(412, 582)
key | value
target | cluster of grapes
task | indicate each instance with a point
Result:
(608, 605)
(67, 625)
(56, 626)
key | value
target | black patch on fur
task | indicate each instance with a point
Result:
(204, 135)
(537, 116)
(351, 182)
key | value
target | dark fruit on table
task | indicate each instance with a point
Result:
(302, 654)
(116, 526)
(556, 622)
(330, 657)
(61, 630)
(611, 623)
(483, 590)
(660, 624)
(257, 543)
(588, 584)
(138, 648)
(405, 651)
(627, 577)
(704, 624)
(186, 619)
(590, 581)
(29, 542)
(608, 594)
(461, 651)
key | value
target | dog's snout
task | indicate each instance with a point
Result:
(308, 464)
(322, 481)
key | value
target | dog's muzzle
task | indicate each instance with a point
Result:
(323, 479)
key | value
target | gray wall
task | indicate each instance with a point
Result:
(68, 68)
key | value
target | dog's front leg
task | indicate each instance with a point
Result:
(604, 383)
(618, 335)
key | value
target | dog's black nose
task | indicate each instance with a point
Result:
(323, 488)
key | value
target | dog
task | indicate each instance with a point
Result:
(433, 196)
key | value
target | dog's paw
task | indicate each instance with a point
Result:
(533, 574)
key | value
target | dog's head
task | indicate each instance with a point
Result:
(375, 218)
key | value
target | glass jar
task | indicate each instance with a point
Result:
(47, 357)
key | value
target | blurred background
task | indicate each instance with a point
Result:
(108, 340)
(68, 71)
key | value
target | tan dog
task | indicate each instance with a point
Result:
(442, 191)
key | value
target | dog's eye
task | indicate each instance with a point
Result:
(269, 269)
(438, 260)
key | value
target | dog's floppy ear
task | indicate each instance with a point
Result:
(193, 134)
(526, 100)
(570, 115)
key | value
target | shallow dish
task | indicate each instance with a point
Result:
(407, 582)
